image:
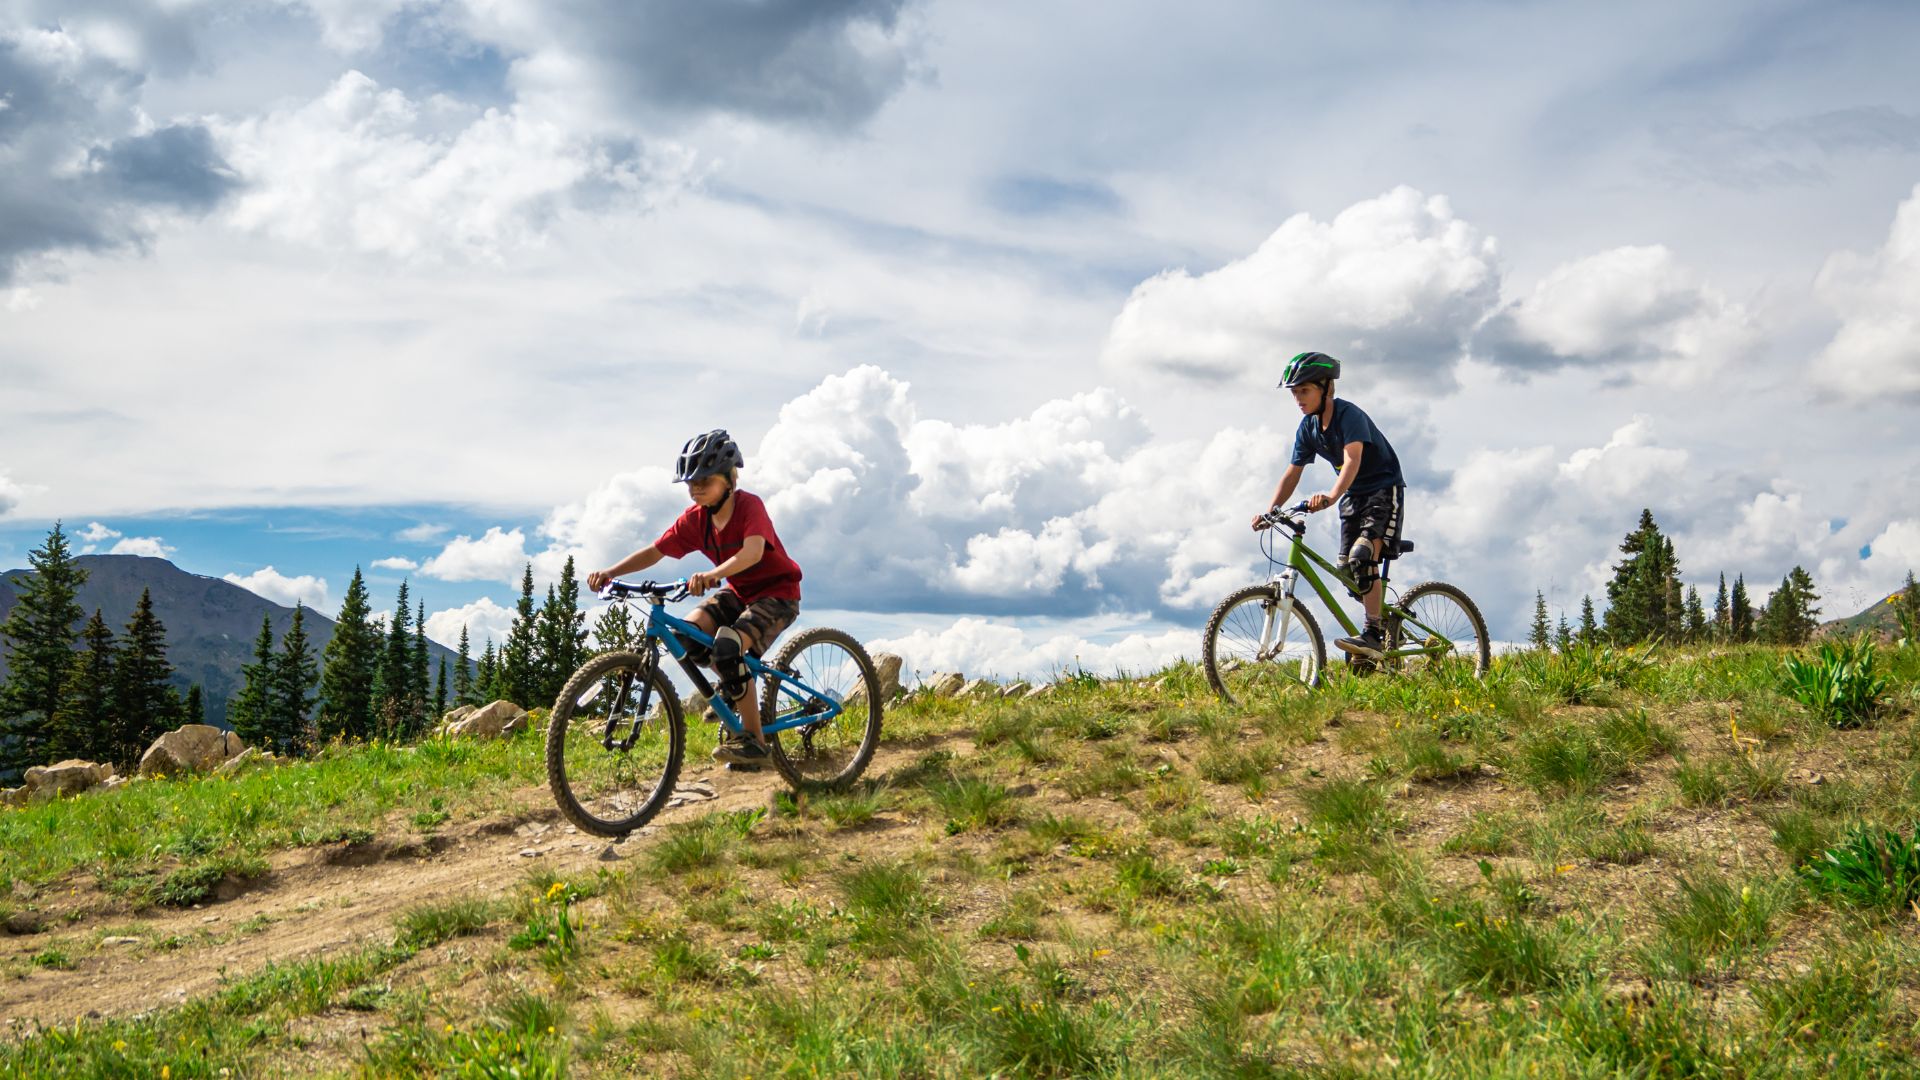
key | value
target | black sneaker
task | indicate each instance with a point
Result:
(1368, 643)
(745, 752)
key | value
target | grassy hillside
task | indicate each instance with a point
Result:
(1583, 866)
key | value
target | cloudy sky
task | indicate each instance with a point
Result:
(994, 295)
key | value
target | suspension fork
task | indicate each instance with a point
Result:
(1284, 603)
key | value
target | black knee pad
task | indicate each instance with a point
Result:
(727, 661)
(1361, 566)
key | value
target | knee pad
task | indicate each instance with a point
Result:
(1361, 566)
(726, 658)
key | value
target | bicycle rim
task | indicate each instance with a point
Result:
(612, 790)
(1240, 669)
(1445, 612)
(830, 752)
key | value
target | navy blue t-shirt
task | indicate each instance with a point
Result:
(1379, 465)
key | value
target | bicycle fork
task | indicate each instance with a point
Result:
(1284, 615)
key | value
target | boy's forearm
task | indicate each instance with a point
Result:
(742, 561)
(639, 560)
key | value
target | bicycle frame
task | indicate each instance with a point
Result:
(673, 633)
(1300, 563)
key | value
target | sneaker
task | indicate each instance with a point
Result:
(744, 752)
(1368, 643)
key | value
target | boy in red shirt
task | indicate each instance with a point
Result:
(761, 594)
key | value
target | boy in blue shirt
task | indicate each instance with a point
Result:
(1368, 485)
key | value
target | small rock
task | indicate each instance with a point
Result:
(1015, 690)
(530, 853)
(120, 941)
(980, 688)
(1039, 691)
(888, 666)
(946, 684)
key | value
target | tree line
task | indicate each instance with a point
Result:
(1646, 602)
(106, 697)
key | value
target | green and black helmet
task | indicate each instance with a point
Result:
(1309, 367)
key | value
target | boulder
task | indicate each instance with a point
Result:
(980, 688)
(65, 778)
(1039, 691)
(888, 666)
(1014, 690)
(13, 796)
(237, 762)
(192, 748)
(454, 716)
(946, 683)
(490, 722)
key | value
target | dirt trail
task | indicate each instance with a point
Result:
(325, 900)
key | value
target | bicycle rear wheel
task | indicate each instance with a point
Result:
(1239, 668)
(602, 784)
(1441, 610)
(829, 753)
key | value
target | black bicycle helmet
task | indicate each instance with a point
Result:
(1309, 367)
(706, 455)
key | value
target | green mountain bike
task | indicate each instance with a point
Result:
(1263, 640)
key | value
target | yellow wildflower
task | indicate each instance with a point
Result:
(1098, 953)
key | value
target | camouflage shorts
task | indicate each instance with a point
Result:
(761, 621)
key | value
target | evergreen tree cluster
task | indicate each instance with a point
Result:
(105, 700)
(543, 647)
(1646, 601)
(275, 703)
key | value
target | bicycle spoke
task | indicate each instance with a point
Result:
(1244, 667)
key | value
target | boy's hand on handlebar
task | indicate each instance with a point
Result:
(1319, 502)
(597, 580)
(699, 583)
(1262, 521)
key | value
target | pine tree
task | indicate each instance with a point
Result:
(463, 672)
(1695, 628)
(419, 681)
(1563, 635)
(1721, 630)
(1740, 611)
(440, 691)
(86, 705)
(561, 634)
(194, 711)
(1540, 635)
(393, 678)
(486, 682)
(346, 681)
(1637, 595)
(614, 629)
(1589, 629)
(1789, 617)
(251, 710)
(144, 705)
(518, 657)
(39, 635)
(294, 673)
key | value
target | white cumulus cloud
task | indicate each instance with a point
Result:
(1621, 307)
(10, 495)
(498, 555)
(1876, 352)
(484, 620)
(282, 589)
(96, 533)
(150, 546)
(1397, 279)
(395, 562)
(982, 648)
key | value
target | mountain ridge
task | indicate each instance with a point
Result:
(211, 623)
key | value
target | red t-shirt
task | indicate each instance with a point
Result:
(775, 575)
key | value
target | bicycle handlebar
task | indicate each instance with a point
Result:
(1289, 517)
(669, 591)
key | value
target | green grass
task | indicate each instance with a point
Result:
(1429, 887)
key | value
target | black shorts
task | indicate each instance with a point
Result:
(762, 621)
(1376, 516)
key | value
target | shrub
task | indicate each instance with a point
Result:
(1875, 868)
(1841, 684)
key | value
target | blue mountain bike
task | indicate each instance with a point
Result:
(617, 733)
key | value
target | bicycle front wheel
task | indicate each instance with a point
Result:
(1442, 620)
(832, 752)
(612, 767)
(1261, 642)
